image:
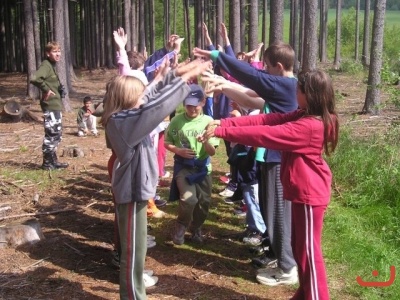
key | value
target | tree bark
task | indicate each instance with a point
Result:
(357, 37)
(276, 21)
(264, 24)
(310, 49)
(59, 35)
(338, 34)
(220, 19)
(253, 24)
(365, 51)
(32, 91)
(294, 29)
(372, 98)
(127, 23)
(234, 29)
(36, 33)
(323, 34)
(243, 21)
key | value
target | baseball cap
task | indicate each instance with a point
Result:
(195, 96)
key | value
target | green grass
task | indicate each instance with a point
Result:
(392, 18)
(362, 226)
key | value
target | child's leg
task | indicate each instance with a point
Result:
(83, 127)
(187, 198)
(132, 221)
(200, 212)
(161, 154)
(279, 217)
(306, 240)
(254, 220)
(110, 166)
(92, 124)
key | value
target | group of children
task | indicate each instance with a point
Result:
(288, 184)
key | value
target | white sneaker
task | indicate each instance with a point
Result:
(275, 276)
(149, 280)
(151, 237)
(227, 193)
(148, 272)
(150, 244)
(166, 175)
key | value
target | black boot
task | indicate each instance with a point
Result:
(56, 163)
(47, 161)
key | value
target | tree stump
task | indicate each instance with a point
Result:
(20, 233)
(14, 112)
(72, 151)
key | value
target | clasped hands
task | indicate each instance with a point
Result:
(208, 131)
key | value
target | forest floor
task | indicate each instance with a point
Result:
(73, 261)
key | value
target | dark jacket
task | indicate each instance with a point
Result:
(46, 78)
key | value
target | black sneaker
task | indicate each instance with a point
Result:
(254, 239)
(159, 202)
(259, 250)
(232, 200)
(265, 260)
(115, 258)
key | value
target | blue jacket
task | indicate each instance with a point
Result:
(279, 92)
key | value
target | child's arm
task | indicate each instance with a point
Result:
(162, 99)
(257, 80)
(120, 39)
(38, 79)
(207, 39)
(224, 34)
(236, 92)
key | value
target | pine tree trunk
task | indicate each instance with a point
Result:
(32, 91)
(276, 21)
(372, 98)
(323, 34)
(365, 50)
(310, 39)
(338, 35)
(253, 24)
(59, 35)
(234, 29)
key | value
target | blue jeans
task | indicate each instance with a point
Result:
(254, 219)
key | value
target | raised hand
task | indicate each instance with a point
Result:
(162, 70)
(201, 53)
(224, 34)
(207, 38)
(120, 38)
(192, 69)
(171, 41)
(215, 83)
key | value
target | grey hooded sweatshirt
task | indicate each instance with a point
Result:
(135, 169)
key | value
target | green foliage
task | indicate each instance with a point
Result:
(352, 67)
(365, 212)
(391, 41)
(367, 172)
(390, 76)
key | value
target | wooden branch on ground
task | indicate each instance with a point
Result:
(13, 184)
(45, 213)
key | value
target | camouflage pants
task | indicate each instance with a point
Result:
(52, 131)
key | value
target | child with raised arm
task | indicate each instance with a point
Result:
(302, 136)
(277, 86)
(129, 117)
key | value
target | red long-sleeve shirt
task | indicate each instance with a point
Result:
(306, 177)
